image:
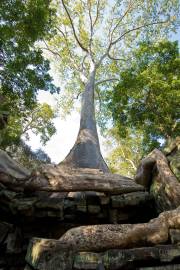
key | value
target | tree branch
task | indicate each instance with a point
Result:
(127, 159)
(97, 13)
(67, 45)
(92, 25)
(120, 20)
(132, 164)
(91, 29)
(119, 38)
(79, 93)
(134, 29)
(83, 61)
(106, 80)
(31, 120)
(73, 28)
(115, 58)
(50, 50)
(101, 59)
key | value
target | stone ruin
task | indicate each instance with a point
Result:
(60, 218)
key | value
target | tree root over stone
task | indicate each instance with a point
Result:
(98, 238)
(154, 172)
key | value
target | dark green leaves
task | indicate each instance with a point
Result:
(147, 97)
(23, 70)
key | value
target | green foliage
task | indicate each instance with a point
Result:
(125, 153)
(147, 96)
(24, 155)
(37, 120)
(23, 70)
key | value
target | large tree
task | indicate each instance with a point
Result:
(93, 40)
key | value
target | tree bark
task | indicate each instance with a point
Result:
(100, 237)
(154, 171)
(86, 151)
(10, 167)
(60, 179)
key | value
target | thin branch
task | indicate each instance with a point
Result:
(73, 28)
(132, 164)
(61, 31)
(97, 13)
(66, 40)
(134, 29)
(67, 46)
(121, 19)
(53, 52)
(91, 29)
(78, 94)
(116, 59)
(112, 21)
(90, 17)
(106, 80)
(101, 59)
(32, 118)
(92, 24)
(127, 159)
(123, 35)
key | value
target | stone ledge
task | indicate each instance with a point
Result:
(114, 259)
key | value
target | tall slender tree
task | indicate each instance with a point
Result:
(93, 40)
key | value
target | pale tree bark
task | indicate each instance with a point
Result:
(86, 151)
(100, 237)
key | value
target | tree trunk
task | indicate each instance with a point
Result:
(86, 151)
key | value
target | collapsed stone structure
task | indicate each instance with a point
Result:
(62, 218)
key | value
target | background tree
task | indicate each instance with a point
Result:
(124, 154)
(24, 155)
(23, 70)
(147, 96)
(92, 42)
(38, 120)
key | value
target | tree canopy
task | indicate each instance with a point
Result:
(38, 120)
(104, 33)
(147, 95)
(23, 70)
